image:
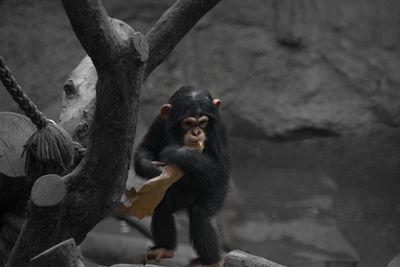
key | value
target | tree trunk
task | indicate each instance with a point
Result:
(79, 98)
(61, 208)
(48, 194)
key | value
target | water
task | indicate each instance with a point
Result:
(317, 202)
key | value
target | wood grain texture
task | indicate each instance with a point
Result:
(239, 258)
(40, 230)
(64, 254)
(15, 130)
(95, 186)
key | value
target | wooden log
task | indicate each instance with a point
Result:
(64, 254)
(47, 195)
(239, 258)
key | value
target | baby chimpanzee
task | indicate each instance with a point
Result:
(189, 134)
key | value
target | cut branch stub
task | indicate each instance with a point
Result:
(141, 46)
(48, 191)
(47, 195)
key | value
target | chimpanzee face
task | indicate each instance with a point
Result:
(190, 113)
(194, 130)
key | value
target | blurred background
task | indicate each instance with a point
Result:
(311, 99)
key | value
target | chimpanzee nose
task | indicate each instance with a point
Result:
(196, 131)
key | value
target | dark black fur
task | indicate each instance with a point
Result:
(202, 189)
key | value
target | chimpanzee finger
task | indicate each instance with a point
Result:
(159, 256)
(159, 163)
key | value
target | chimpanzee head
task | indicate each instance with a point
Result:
(192, 116)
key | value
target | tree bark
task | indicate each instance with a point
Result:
(239, 258)
(48, 194)
(95, 186)
(64, 254)
(79, 91)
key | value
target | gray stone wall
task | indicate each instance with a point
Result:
(284, 69)
(293, 68)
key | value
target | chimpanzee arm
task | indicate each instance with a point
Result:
(201, 169)
(144, 166)
(149, 149)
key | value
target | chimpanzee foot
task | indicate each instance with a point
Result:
(157, 254)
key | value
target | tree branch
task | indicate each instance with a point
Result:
(173, 25)
(96, 185)
(90, 22)
(77, 111)
(119, 55)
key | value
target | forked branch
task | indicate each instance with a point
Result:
(94, 188)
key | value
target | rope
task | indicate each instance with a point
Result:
(17, 93)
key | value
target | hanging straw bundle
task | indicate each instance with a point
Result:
(50, 149)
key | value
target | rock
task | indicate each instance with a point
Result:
(300, 71)
(285, 69)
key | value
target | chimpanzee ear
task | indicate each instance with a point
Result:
(165, 110)
(216, 102)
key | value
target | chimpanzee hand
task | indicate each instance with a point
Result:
(159, 164)
(178, 137)
(151, 168)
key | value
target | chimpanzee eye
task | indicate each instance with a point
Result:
(187, 124)
(203, 122)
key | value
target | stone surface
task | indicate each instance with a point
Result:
(284, 69)
(292, 69)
